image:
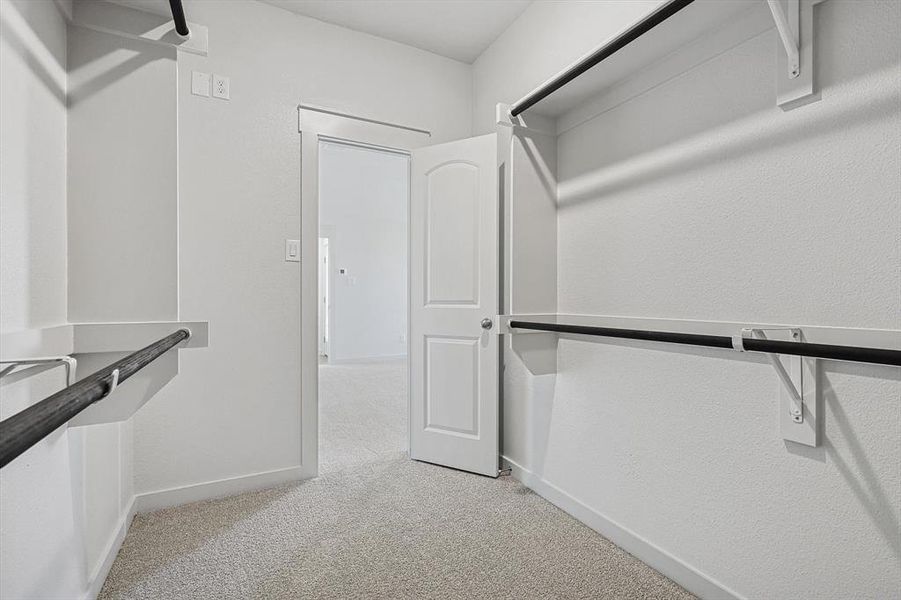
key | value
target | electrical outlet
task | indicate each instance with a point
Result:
(220, 87)
(200, 83)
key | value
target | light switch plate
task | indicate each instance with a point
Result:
(200, 83)
(292, 250)
(220, 87)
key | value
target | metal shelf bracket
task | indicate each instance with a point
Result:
(787, 26)
(798, 401)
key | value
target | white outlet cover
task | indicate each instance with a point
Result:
(292, 250)
(220, 87)
(200, 83)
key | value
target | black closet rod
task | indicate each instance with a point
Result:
(24, 429)
(178, 15)
(879, 356)
(624, 39)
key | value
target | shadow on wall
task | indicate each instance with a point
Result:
(738, 116)
(855, 467)
(24, 37)
(757, 133)
(33, 166)
(97, 66)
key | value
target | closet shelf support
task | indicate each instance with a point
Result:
(788, 33)
(795, 391)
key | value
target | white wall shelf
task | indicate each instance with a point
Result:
(689, 24)
(686, 39)
(799, 402)
(95, 345)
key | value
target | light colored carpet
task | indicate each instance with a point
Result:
(362, 413)
(378, 527)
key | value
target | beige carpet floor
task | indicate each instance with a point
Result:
(362, 413)
(375, 525)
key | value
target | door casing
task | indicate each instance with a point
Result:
(314, 124)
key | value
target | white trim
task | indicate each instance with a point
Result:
(220, 488)
(693, 580)
(314, 123)
(329, 139)
(98, 577)
(347, 115)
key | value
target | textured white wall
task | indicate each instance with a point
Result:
(123, 173)
(546, 38)
(39, 529)
(63, 503)
(700, 199)
(363, 203)
(234, 409)
(33, 155)
(123, 225)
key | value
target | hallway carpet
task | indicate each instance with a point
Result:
(362, 412)
(381, 527)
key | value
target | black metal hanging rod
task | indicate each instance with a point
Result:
(879, 356)
(621, 41)
(24, 429)
(178, 16)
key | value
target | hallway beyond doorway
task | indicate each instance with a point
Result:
(362, 413)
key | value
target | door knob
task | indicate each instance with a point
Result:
(487, 323)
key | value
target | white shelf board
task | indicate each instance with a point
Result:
(692, 22)
(128, 337)
(82, 338)
(96, 345)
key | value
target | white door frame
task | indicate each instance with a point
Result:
(325, 281)
(314, 123)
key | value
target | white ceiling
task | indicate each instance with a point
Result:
(458, 29)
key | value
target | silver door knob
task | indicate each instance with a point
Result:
(487, 323)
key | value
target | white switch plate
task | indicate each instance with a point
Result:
(292, 250)
(200, 83)
(220, 87)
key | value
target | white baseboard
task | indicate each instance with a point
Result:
(98, 577)
(685, 575)
(150, 501)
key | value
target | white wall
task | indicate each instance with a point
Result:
(39, 528)
(234, 409)
(123, 173)
(123, 225)
(33, 155)
(546, 38)
(363, 198)
(700, 199)
(89, 228)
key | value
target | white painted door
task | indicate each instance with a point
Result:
(453, 287)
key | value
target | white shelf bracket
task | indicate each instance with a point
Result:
(35, 366)
(787, 26)
(798, 408)
(794, 52)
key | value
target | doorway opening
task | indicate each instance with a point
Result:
(362, 303)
